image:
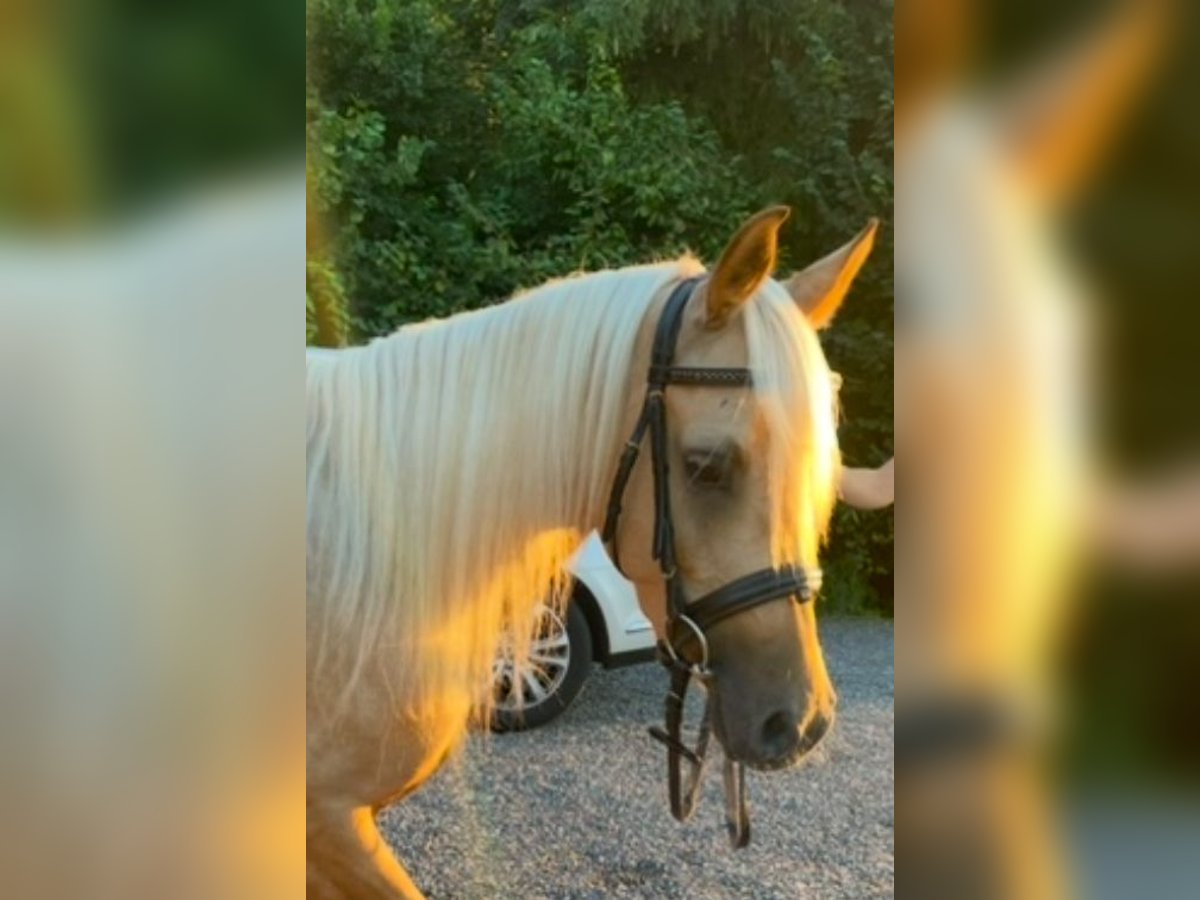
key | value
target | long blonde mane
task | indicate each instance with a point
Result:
(455, 465)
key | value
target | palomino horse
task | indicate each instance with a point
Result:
(453, 466)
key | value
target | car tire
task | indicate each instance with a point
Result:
(567, 638)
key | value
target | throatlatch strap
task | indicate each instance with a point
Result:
(624, 469)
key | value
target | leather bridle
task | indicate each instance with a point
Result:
(684, 650)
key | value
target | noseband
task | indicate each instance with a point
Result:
(684, 650)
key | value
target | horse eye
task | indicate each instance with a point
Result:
(710, 468)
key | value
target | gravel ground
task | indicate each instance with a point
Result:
(578, 809)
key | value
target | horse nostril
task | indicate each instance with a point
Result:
(779, 732)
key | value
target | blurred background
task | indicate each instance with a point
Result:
(1106, 791)
(151, 404)
(1133, 238)
(110, 105)
(1133, 234)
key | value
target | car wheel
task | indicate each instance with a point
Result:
(560, 661)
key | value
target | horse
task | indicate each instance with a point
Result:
(453, 466)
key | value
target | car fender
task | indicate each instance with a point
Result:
(628, 635)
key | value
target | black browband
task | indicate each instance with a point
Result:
(684, 651)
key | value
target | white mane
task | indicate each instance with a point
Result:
(453, 466)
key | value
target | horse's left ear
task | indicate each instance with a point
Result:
(820, 289)
(747, 262)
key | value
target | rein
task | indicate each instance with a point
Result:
(684, 650)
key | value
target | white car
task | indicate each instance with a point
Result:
(603, 624)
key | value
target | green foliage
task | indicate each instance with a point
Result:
(462, 149)
(176, 93)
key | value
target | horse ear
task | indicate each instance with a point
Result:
(1056, 121)
(820, 289)
(747, 262)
